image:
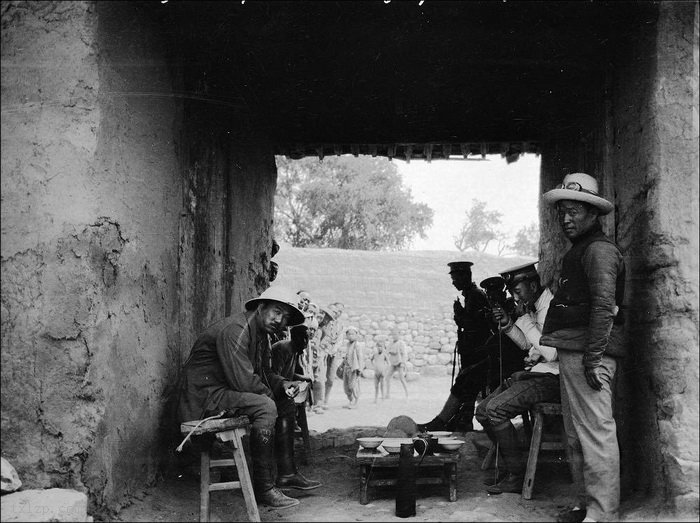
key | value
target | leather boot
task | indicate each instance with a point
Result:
(509, 451)
(449, 409)
(262, 456)
(493, 479)
(287, 474)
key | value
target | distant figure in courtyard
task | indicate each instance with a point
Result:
(397, 355)
(332, 349)
(353, 362)
(380, 364)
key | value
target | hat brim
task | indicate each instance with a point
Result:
(296, 317)
(556, 195)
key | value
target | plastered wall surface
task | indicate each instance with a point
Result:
(91, 197)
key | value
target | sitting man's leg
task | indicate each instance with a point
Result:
(496, 413)
(262, 413)
(461, 400)
(287, 474)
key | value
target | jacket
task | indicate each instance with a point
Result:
(582, 315)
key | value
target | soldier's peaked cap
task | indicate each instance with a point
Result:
(520, 273)
(460, 266)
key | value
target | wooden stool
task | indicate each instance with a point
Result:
(538, 412)
(224, 430)
(303, 432)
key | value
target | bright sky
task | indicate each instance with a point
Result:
(448, 188)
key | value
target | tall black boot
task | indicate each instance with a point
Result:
(509, 450)
(262, 456)
(501, 473)
(287, 474)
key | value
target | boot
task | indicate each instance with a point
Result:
(448, 411)
(261, 452)
(509, 450)
(287, 474)
(490, 480)
(463, 420)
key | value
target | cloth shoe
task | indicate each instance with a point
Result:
(571, 515)
(511, 483)
(297, 481)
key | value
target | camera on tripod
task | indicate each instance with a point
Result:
(495, 288)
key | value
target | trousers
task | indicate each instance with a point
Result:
(508, 401)
(592, 435)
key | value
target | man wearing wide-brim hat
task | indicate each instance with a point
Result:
(584, 324)
(228, 370)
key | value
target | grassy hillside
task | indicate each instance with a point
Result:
(382, 281)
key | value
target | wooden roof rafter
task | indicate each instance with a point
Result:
(407, 151)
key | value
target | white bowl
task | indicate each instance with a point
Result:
(370, 443)
(440, 433)
(450, 443)
(393, 445)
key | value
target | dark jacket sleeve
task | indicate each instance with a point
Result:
(602, 262)
(232, 347)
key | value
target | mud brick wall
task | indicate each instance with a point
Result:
(91, 198)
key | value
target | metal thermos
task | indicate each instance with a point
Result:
(406, 483)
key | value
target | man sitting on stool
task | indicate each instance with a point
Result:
(523, 389)
(229, 370)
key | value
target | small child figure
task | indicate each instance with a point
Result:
(353, 367)
(380, 362)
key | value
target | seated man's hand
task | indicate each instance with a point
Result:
(500, 316)
(291, 388)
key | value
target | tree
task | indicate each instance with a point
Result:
(346, 203)
(479, 228)
(527, 241)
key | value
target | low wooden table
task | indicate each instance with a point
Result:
(445, 463)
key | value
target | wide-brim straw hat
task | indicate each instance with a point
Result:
(281, 295)
(580, 187)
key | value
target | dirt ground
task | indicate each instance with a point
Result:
(176, 497)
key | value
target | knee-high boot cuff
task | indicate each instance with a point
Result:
(284, 446)
(262, 458)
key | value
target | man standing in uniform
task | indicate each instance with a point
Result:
(474, 327)
(229, 370)
(584, 323)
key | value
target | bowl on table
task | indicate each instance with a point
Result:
(450, 443)
(393, 445)
(370, 443)
(440, 433)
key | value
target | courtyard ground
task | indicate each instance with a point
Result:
(176, 496)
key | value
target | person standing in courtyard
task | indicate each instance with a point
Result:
(380, 364)
(332, 345)
(229, 370)
(397, 355)
(585, 324)
(352, 367)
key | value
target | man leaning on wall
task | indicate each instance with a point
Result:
(584, 323)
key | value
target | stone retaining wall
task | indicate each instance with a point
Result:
(430, 337)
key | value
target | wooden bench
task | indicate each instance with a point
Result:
(229, 430)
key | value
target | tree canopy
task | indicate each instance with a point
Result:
(479, 228)
(527, 241)
(346, 203)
